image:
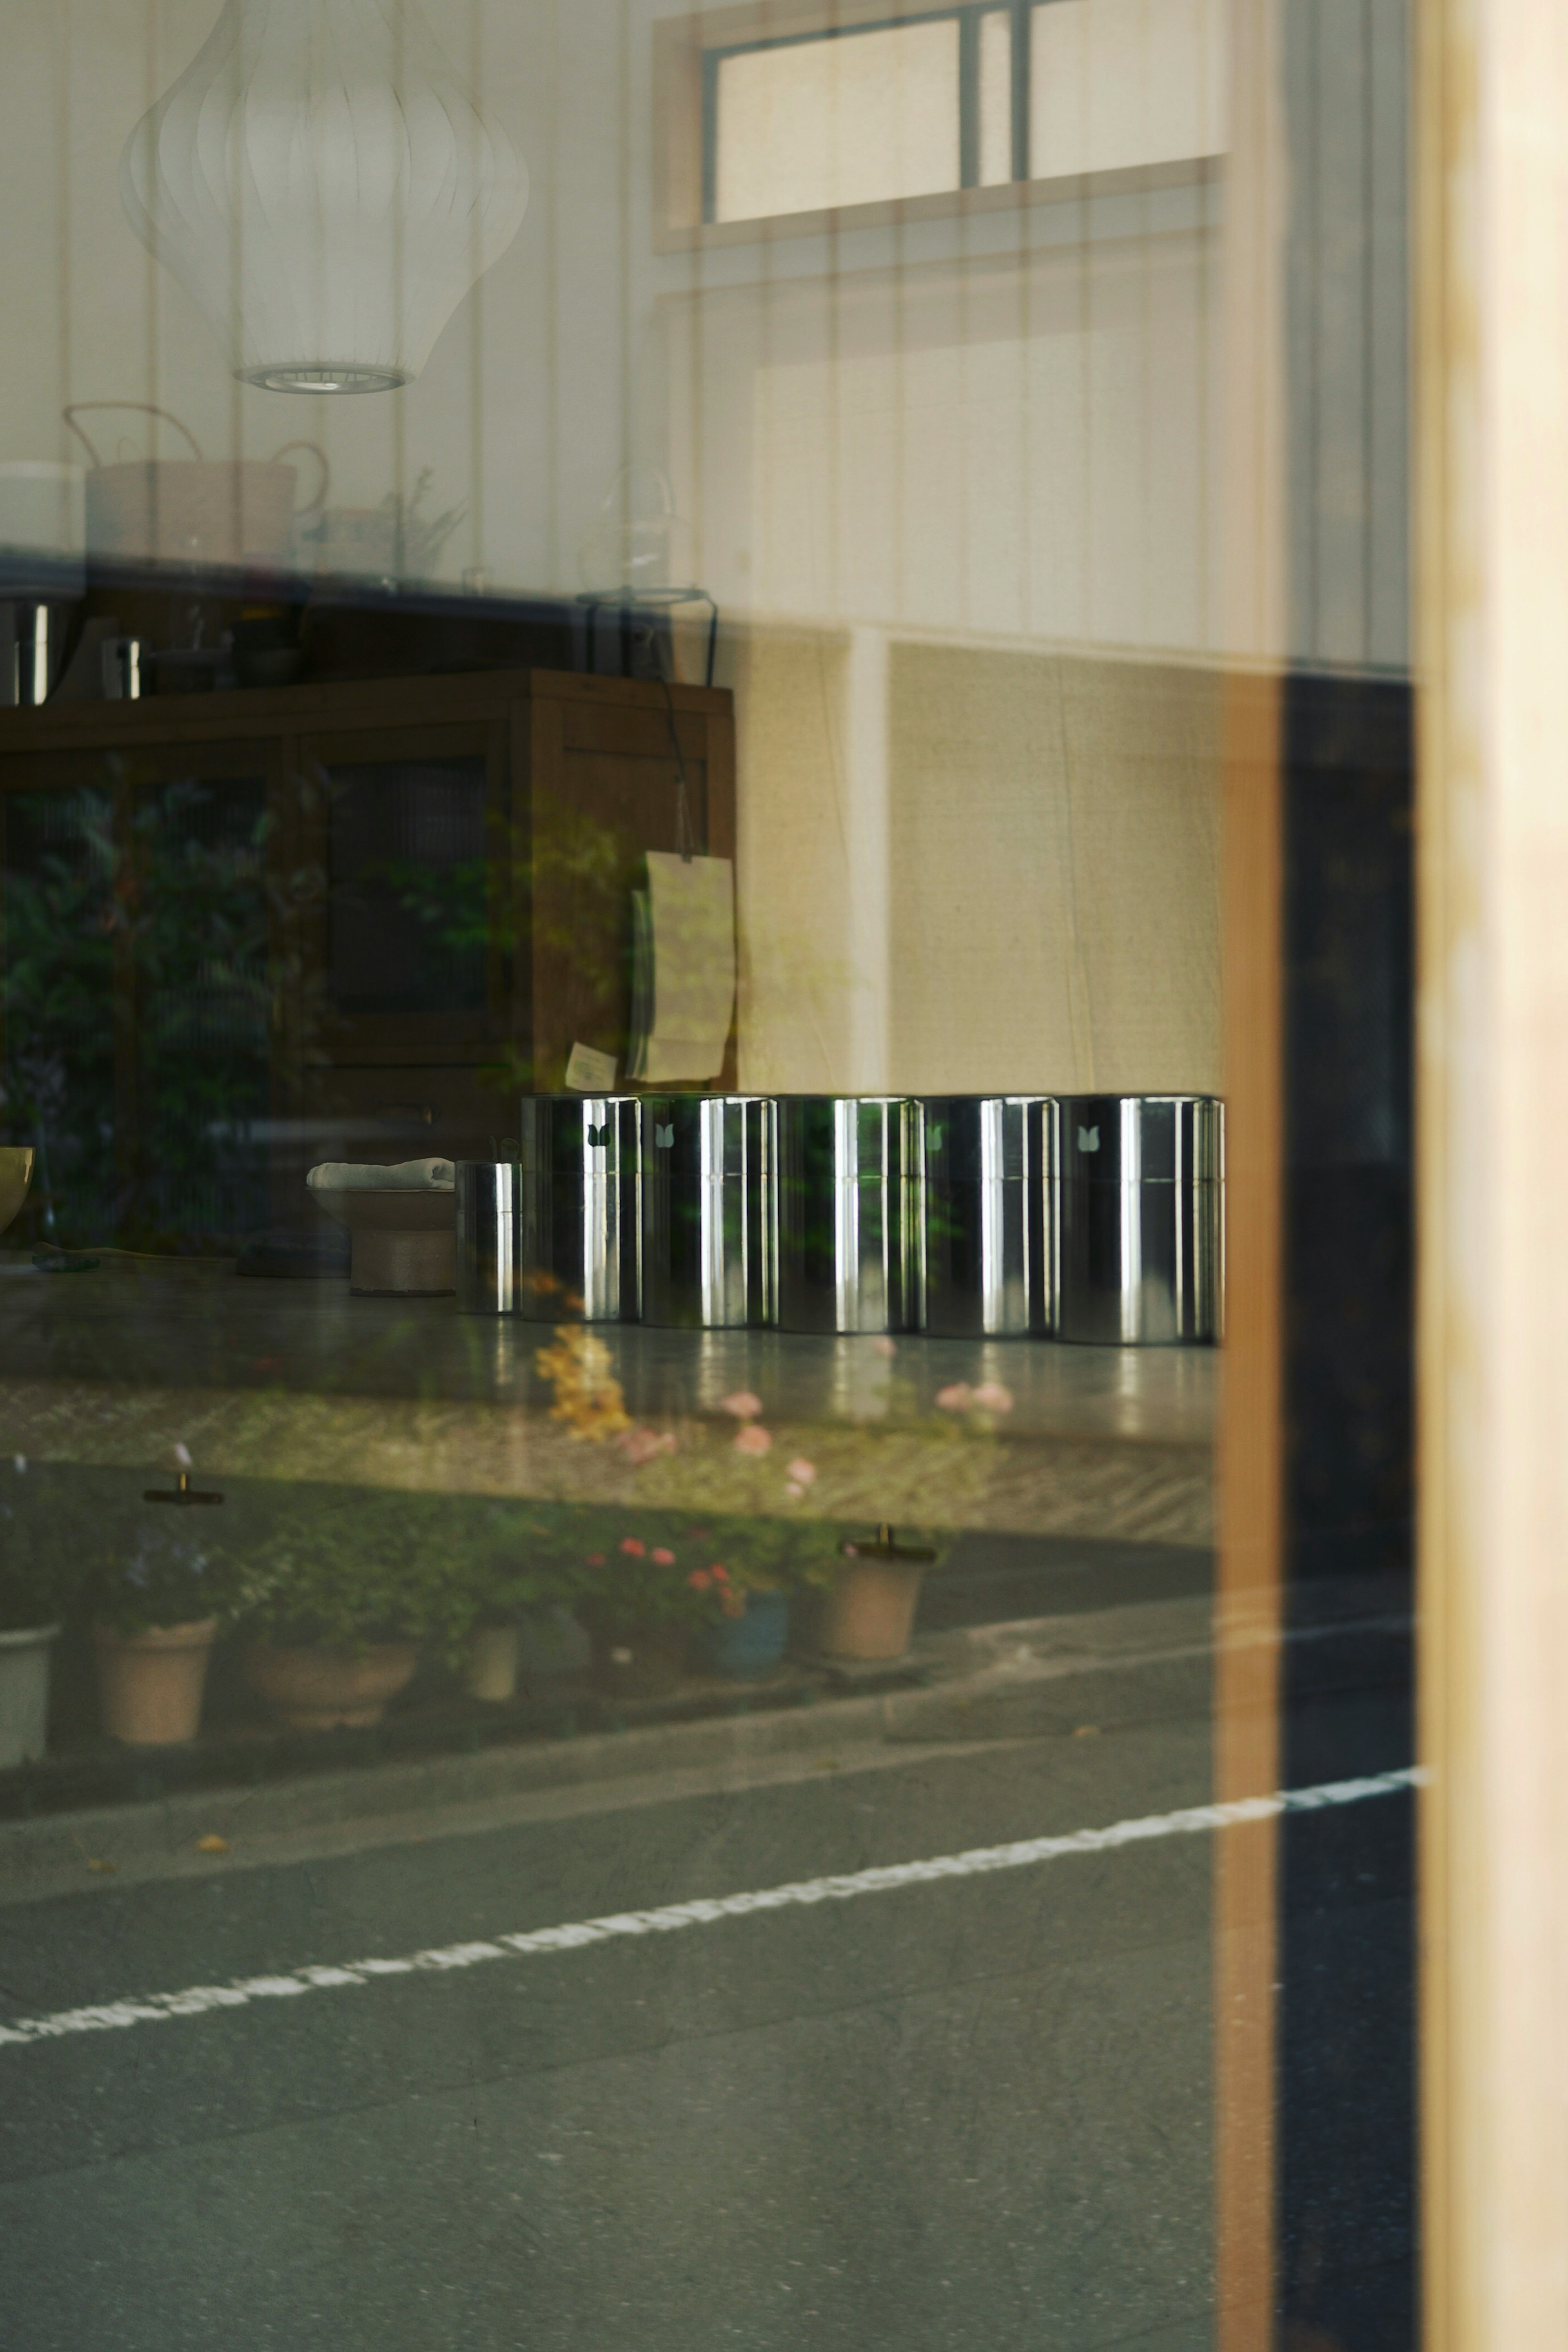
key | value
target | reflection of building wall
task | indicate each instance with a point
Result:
(1019, 445)
(1049, 918)
(994, 428)
(1006, 417)
(1011, 408)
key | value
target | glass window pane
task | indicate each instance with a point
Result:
(996, 99)
(1114, 83)
(704, 1654)
(851, 120)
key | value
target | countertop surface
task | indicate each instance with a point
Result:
(115, 1368)
(177, 1324)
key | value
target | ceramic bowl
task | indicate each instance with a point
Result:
(403, 1242)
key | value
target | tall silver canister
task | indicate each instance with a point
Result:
(1141, 1208)
(990, 1257)
(710, 1211)
(574, 1248)
(849, 1213)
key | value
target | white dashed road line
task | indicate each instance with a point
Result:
(195, 2001)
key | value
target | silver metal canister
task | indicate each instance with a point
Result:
(1141, 1204)
(561, 1241)
(849, 1213)
(988, 1236)
(710, 1211)
(489, 1236)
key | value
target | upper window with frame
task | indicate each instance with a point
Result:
(914, 106)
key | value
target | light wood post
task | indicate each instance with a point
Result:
(1493, 846)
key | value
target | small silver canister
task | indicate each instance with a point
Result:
(990, 1259)
(1140, 1204)
(575, 1209)
(710, 1211)
(489, 1236)
(849, 1213)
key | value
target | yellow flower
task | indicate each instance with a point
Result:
(587, 1396)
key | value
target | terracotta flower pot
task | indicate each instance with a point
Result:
(490, 1663)
(149, 1683)
(319, 1688)
(870, 1612)
(640, 1661)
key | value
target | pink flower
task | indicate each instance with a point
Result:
(699, 1579)
(641, 1445)
(632, 1544)
(993, 1398)
(754, 1438)
(884, 1348)
(742, 1404)
(802, 1472)
(956, 1399)
(595, 1560)
(719, 1573)
(662, 1559)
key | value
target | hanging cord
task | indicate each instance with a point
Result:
(686, 835)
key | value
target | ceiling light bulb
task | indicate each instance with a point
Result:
(324, 190)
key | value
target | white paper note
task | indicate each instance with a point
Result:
(691, 922)
(589, 1072)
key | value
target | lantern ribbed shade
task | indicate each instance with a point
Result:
(324, 189)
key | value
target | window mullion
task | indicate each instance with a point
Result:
(1021, 17)
(969, 97)
(711, 61)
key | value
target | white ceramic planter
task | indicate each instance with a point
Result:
(24, 1694)
(490, 1663)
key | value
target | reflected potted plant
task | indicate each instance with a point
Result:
(505, 1555)
(156, 1613)
(338, 1599)
(757, 1568)
(638, 1603)
(869, 1614)
(33, 1598)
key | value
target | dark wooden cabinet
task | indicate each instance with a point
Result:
(246, 931)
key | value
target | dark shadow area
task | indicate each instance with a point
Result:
(1348, 2219)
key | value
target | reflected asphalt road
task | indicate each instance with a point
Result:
(973, 2114)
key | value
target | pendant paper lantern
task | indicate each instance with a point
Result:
(324, 189)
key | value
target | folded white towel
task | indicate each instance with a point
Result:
(408, 1176)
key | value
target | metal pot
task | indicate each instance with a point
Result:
(1141, 1201)
(849, 1213)
(555, 1235)
(988, 1236)
(710, 1211)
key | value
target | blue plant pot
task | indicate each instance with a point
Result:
(745, 1648)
